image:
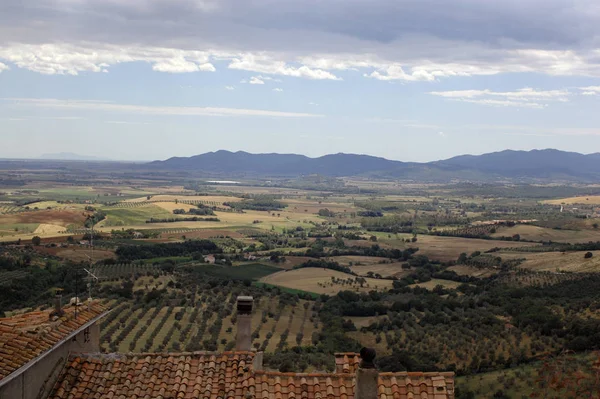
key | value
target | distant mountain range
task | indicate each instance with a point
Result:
(533, 165)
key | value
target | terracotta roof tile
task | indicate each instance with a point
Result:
(346, 362)
(342, 385)
(26, 336)
(229, 375)
(177, 375)
(401, 385)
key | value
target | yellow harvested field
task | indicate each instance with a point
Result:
(48, 229)
(156, 226)
(228, 220)
(172, 198)
(557, 261)
(53, 204)
(431, 284)
(384, 269)
(320, 281)
(171, 206)
(285, 218)
(587, 200)
(536, 233)
(449, 248)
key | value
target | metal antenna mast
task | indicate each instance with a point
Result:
(76, 291)
(92, 277)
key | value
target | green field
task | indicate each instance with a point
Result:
(133, 216)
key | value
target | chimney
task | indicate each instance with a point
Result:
(57, 305)
(367, 376)
(243, 340)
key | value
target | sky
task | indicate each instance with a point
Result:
(411, 80)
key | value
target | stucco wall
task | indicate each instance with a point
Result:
(38, 380)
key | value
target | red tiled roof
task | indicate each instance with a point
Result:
(403, 385)
(410, 385)
(27, 336)
(181, 375)
(346, 362)
(400, 385)
(229, 375)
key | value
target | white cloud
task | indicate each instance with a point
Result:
(442, 134)
(180, 65)
(92, 105)
(278, 89)
(506, 103)
(383, 39)
(264, 63)
(399, 65)
(256, 81)
(51, 59)
(229, 88)
(313, 103)
(268, 78)
(3, 67)
(590, 90)
(526, 97)
(396, 72)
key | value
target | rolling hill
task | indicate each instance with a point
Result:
(532, 165)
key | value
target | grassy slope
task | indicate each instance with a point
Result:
(313, 279)
(134, 216)
(535, 233)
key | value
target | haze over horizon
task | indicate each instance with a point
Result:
(404, 80)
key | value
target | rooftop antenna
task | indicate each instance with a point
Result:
(92, 242)
(76, 291)
(91, 277)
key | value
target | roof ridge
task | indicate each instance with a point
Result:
(228, 375)
(416, 373)
(159, 354)
(292, 374)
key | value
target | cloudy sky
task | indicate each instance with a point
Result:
(413, 80)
